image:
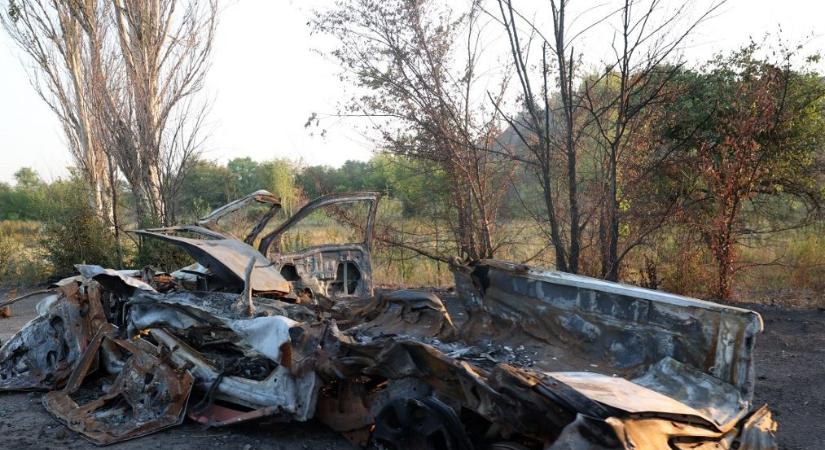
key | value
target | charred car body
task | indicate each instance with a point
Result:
(539, 360)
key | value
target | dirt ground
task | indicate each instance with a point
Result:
(790, 370)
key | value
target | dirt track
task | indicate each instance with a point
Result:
(790, 370)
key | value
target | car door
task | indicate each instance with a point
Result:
(325, 248)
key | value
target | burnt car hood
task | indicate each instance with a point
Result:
(227, 259)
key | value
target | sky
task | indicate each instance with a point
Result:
(267, 78)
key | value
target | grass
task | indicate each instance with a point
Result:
(786, 268)
(22, 261)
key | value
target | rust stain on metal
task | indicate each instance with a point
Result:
(146, 395)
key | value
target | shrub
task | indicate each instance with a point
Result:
(73, 233)
(161, 256)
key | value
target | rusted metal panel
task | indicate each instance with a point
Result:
(45, 351)
(322, 270)
(114, 278)
(213, 415)
(328, 271)
(292, 397)
(345, 408)
(245, 361)
(145, 396)
(408, 313)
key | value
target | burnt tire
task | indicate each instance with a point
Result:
(418, 424)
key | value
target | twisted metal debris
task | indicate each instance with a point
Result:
(544, 360)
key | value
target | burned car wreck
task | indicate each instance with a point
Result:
(539, 360)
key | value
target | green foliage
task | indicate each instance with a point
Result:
(72, 232)
(67, 232)
(352, 176)
(24, 201)
(742, 106)
(421, 187)
(207, 186)
(278, 177)
(752, 130)
(27, 179)
(244, 175)
(161, 256)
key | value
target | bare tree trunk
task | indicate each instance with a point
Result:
(56, 36)
(611, 263)
(555, 235)
(115, 199)
(724, 263)
(164, 48)
(566, 73)
(126, 95)
(540, 124)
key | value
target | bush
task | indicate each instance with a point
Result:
(161, 256)
(73, 233)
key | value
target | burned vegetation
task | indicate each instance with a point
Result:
(261, 329)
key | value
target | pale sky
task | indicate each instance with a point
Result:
(265, 81)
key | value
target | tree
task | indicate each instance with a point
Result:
(546, 128)
(61, 39)
(420, 186)
(207, 186)
(644, 64)
(569, 117)
(244, 173)
(121, 75)
(152, 120)
(754, 128)
(72, 233)
(27, 179)
(278, 177)
(24, 200)
(315, 181)
(415, 67)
